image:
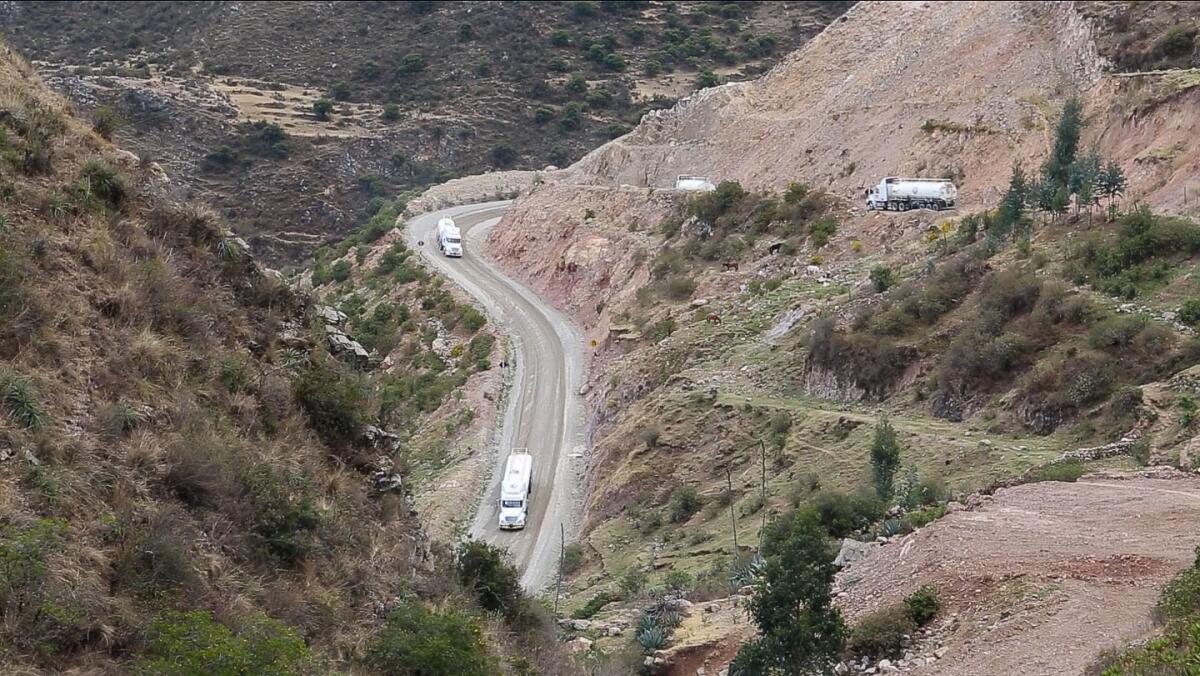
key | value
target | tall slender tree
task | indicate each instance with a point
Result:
(1066, 142)
(800, 630)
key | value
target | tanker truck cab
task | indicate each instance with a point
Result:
(516, 487)
(449, 238)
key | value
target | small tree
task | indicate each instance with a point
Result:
(1112, 184)
(322, 108)
(800, 631)
(496, 583)
(1083, 181)
(881, 278)
(1012, 207)
(503, 155)
(885, 458)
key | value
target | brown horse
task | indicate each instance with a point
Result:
(713, 318)
(730, 265)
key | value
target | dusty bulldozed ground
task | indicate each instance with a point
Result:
(1039, 578)
(1036, 579)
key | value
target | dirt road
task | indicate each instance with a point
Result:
(543, 410)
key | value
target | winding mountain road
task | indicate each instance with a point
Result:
(542, 411)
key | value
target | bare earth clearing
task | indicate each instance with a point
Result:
(1043, 576)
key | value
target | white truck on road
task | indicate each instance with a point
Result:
(901, 194)
(694, 184)
(449, 238)
(516, 487)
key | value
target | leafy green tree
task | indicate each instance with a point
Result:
(885, 458)
(495, 582)
(420, 642)
(800, 631)
(322, 108)
(1066, 142)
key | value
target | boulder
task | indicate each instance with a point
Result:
(852, 550)
(579, 645)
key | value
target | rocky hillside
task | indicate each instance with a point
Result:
(749, 339)
(222, 94)
(189, 476)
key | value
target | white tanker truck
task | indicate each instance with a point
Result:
(902, 194)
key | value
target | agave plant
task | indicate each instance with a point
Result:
(652, 640)
(746, 571)
(671, 620)
(646, 623)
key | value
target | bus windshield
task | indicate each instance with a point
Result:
(510, 503)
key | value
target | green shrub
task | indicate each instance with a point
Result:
(923, 517)
(707, 79)
(335, 402)
(543, 115)
(821, 230)
(496, 583)
(881, 634)
(679, 580)
(582, 10)
(571, 118)
(842, 513)
(411, 63)
(632, 581)
(683, 503)
(341, 271)
(504, 155)
(594, 605)
(391, 112)
(473, 319)
(923, 605)
(572, 558)
(105, 122)
(560, 38)
(576, 84)
(340, 91)
(104, 183)
(1190, 312)
(193, 643)
(23, 563)
(322, 108)
(1067, 470)
(881, 278)
(417, 641)
(650, 435)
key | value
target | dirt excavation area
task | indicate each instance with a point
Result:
(1039, 578)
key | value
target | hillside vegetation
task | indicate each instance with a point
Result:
(185, 483)
(245, 107)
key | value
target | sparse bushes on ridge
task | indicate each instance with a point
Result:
(495, 583)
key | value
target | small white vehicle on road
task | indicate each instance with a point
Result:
(449, 238)
(516, 487)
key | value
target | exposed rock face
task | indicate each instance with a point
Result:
(858, 94)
